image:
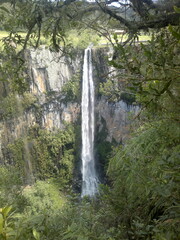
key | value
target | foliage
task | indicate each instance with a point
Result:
(20, 157)
(145, 172)
(145, 177)
(115, 91)
(110, 90)
(82, 38)
(54, 153)
(6, 231)
(103, 148)
(71, 89)
(142, 201)
(84, 220)
(14, 105)
(155, 83)
(89, 224)
(10, 185)
(40, 203)
(12, 67)
(54, 19)
(12, 227)
(44, 154)
(44, 197)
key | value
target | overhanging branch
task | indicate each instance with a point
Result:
(114, 15)
(159, 21)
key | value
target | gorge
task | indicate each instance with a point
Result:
(52, 106)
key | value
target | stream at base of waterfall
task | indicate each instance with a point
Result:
(89, 176)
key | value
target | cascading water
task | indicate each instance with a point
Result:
(89, 177)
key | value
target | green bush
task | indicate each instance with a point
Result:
(10, 185)
(43, 197)
(71, 90)
(14, 105)
(44, 154)
(145, 176)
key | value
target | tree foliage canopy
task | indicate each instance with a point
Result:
(53, 18)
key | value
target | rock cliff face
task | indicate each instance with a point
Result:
(116, 117)
(49, 72)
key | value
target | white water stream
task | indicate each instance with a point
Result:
(89, 177)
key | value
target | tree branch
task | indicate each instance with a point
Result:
(114, 15)
(160, 22)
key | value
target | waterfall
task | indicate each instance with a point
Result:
(89, 177)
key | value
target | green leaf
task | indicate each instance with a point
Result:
(82, 238)
(36, 234)
(115, 37)
(143, 70)
(6, 210)
(177, 10)
(174, 33)
(1, 223)
(4, 9)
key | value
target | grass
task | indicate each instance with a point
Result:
(80, 39)
(32, 41)
(83, 39)
(4, 34)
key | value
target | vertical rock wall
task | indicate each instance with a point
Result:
(117, 117)
(48, 72)
(51, 70)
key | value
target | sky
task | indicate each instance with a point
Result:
(113, 4)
